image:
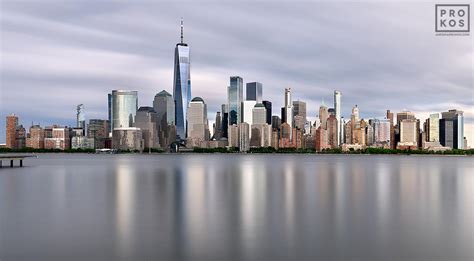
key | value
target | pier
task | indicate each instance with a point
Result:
(12, 158)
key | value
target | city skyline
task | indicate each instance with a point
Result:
(430, 85)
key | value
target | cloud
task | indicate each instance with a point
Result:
(381, 56)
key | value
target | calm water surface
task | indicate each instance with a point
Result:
(237, 207)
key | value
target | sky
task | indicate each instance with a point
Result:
(57, 54)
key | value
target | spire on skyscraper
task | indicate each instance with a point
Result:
(181, 30)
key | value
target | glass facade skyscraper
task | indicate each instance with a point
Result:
(124, 106)
(254, 92)
(181, 86)
(235, 97)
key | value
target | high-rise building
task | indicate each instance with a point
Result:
(289, 110)
(332, 131)
(259, 114)
(433, 127)
(12, 124)
(225, 121)
(247, 108)
(217, 127)
(128, 138)
(382, 131)
(405, 115)
(323, 115)
(181, 86)
(146, 121)
(234, 99)
(408, 134)
(97, 130)
(337, 108)
(276, 122)
(124, 105)
(164, 106)
(244, 138)
(254, 92)
(198, 125)
(299, 109)
(35, 138)
(81, 118)
(58, 138)
(451, 129)
(268, 107)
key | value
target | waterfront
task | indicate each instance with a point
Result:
(237, 207)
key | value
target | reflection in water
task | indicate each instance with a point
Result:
(238, 207)
(124, 207)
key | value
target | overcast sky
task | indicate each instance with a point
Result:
(57, 54)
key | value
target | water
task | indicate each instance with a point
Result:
(237, 207)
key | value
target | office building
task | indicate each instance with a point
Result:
(163, 104)
(408, 134)
(124, 106)
(247, 109)
(259, 114)
(382, 132)
(299, 109)
(11, 131)
(146, 121)
(268, 107)
(276, 122)
(198, 125)
(451, 129)
(433, 127)
(35, 138)
(332, 131)
(97, 130)
(57, 138)
(181, 85)
(254, 92)
(288, 110)
(234, 99)
(323, 115)
(127, 139)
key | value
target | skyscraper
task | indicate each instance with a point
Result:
(12, 124)
(234, 99)
(337, 108)
(289, 110)
(80, 117)
(198, 126)
(247, 108)
(268, 107)
(146, 121)
(254, 92)
(181, 86)
(299, 109)
(451, 129)
(433, 128)
(323, 115)
(124, 106)
(163, 104)
(259, 114)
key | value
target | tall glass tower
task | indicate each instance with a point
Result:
(235, 97)
(181, 86)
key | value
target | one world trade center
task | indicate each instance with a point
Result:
(181, 86)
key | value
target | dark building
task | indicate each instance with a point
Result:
(451, 129)
(254, 91)
(268, 107)
(276, 122)
(446, 132)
